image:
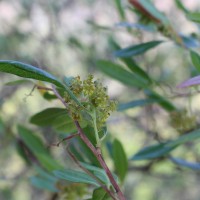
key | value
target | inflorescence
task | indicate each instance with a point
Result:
(94, 98)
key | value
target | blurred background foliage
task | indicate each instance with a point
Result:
(68, 38)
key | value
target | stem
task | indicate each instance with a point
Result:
(95, 151)
(89, 173)
(94, 119)
(98, 155)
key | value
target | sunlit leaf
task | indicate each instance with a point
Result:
(28, 71)
(136, 49)
(18, 82)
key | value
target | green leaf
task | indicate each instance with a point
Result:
(136, 103)
(136, 49)
(28, 71)
(120, 9)
(75, 176)
(167, 105)
(194, 16)
(154, 151)
(153, 10)
(120, 159)
(98, 172)
(48, 116)
(43, 183)
(195, 59)
(131, 64)
(180, 5)
(18, 82)
(36, 146)
(163, 149)
(66, 124)
(100, 194)
(117, 72)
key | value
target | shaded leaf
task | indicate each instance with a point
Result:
(100, 194)
(167, 105)
(120, 159)
(136, 49)
(117, 72)
(154, 151)
(48, 116)
(28, 71)
(195, 59)
(18, 82)
(153, 11)
(75, 176)
(180, 5)
(43, 183)
(136, 103)
(184, 163)
(120, 8)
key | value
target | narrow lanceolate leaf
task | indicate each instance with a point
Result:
(190, 82)
(163, 102)
(194, 16)
(120, 9)
(154, 151)
(38, 149)
(136, 103)
(159, 150)
(120, 159)
(195, 59)
(117, 72)
(75, 176)
(28, 71)
(18, 82)
(136, 49)
(153, 11)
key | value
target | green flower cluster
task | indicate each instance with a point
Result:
(94, 98)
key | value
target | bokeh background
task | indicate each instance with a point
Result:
(67, 38)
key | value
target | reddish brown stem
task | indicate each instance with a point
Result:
(97, 153)
(89, 173)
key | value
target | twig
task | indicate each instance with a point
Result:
(43, 88)
(95, 151)
(89, 173)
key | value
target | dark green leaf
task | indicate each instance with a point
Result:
(154, 151)
(148, 5)
(28, 71)
(195, 59)
(194, 17)
(48, 96)
(48, 116)
(120, 159)
(163, 149)
(136, 49)
(168, 106)
(66, 124)
(117, 72)
(18, 82)
(100, 194)
(120, 9)
(36, 146)
(75, 176)
(136, 103)
(180, 5)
